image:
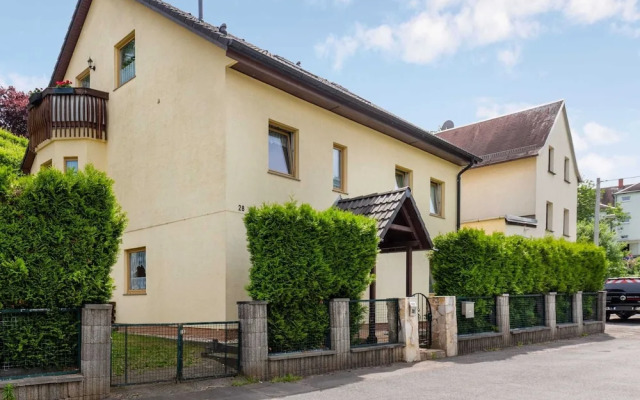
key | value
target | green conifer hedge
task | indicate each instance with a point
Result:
(301, 258)
(472, 263)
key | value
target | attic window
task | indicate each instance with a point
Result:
(551, 164)
(567, 163)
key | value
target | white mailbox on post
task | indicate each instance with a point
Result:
(467, 308)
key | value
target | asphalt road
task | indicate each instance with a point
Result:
(605, 366)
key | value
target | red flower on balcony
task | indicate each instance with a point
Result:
(66, 83)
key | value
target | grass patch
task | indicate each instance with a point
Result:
(149, 352)
(244, 380)
(286, 378)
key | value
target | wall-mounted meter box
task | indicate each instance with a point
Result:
(467, 308)
(413, 307)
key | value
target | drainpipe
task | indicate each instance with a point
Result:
(458, 181)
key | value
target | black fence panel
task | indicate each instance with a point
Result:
(526, 311)
(483, 319)
(589, 306)
(564, 309)
(39, 342)
(374, 322)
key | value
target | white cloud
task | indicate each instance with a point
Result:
(594, 165)
(438, 28)
(489, 108)
(626, 30)
(596, 134)
(23, 82)
(510, 57)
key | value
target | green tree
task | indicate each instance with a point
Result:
(614, 250)
(614, 214)
(12, 150)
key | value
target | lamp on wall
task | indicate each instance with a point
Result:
(91, 66)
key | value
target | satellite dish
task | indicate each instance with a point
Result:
(448, 124)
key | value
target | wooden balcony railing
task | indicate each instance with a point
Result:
(81, 113)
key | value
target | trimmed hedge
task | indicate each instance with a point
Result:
(472, 263)
(59, 237)
(301, 258)
(12, 150)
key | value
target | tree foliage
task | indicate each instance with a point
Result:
(12, 150)
(472, 263)
(614, 213)
(301, 258)
(614, 250)
(13, 110)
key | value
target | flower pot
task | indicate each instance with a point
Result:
(63, 90)
(35, 98)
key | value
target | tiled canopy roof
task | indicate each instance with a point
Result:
(509, 137)
(385, 208)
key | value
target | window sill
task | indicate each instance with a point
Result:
(118, 87)
(548, 230)
(436, 215)
(136, 293)
(567, 181)
(340, 191)
(280, 174)
(565, 235)
(551, 172)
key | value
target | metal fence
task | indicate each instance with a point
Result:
(285, 336)
(373, 322)
(589, 306)
(39, 342)
(149, 353)
(482, 320)
(564, 309)
(526, 311)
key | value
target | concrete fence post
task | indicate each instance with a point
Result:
(95, 360)
(550, 319)
(502, 318)
(340, 331)
(602, 306)
(409, 329)
(255, 346)
(392, 319)
(444, 325)
(577, 311)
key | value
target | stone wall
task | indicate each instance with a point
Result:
(92, 383)
(444, 328)
(258, 363)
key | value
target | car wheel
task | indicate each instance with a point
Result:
(625, 315)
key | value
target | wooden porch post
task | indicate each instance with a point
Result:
(409, 271)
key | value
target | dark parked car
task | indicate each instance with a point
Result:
(623, 297)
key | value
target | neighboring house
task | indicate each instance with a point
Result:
(628, 197)
(528, 179)
(202, 125)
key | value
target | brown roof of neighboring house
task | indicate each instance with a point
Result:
(285, 75)
(509, 137)
(395, 213)
(629, 189)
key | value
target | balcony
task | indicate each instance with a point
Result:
(70, 113)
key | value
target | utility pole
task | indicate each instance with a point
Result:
(596, 221)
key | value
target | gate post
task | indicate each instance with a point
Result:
(95, 362)
(340, 331)
(502, 318)
(444, 324)
(577, 311)
(409, 329)
(254, 351)
(550, 313)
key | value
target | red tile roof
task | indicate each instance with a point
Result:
(509, 137)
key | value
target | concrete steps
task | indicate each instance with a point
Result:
(431, 354)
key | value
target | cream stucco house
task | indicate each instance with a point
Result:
(196, 125)
(528, 179)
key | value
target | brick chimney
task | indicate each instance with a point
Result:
(621, 183)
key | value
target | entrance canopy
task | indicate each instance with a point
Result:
(400, 226)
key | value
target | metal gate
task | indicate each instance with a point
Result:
(149, 353)
(424, 320)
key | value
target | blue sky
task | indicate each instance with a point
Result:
(424, 60)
